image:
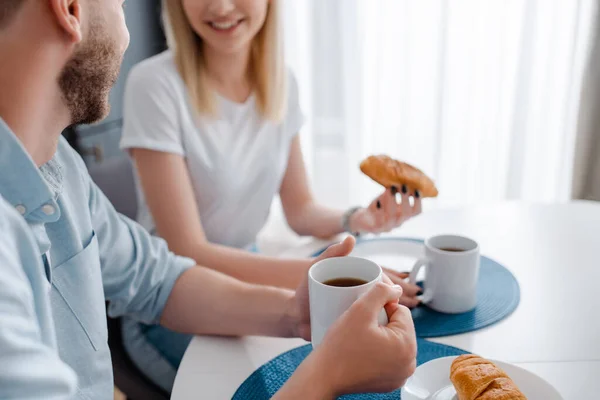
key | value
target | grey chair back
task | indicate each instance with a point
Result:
(116, 179)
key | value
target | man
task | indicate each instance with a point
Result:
(64, 250)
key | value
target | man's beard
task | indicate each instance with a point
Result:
(86, 80)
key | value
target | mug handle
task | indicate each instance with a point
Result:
(412, 279)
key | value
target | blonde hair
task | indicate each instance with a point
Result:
(267, 68)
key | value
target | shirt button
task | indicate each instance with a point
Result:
(21, 209)
(48, 209)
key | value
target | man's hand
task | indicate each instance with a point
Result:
(357, 355)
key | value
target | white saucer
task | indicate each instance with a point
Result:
(431, 381)
(396, 254)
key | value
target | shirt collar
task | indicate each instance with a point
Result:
(32, 191)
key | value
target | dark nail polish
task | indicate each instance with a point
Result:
(420, 293)
(378, 204)
(404, 189)
(394, 190)
(417, 194)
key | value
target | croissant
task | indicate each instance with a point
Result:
(389, 172)
(476, 378)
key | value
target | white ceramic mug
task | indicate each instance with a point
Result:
(450, 284)
(328, 303)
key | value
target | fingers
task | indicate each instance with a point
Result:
(388, 213)
(376, 205)
(374, 300)
(410, 302)
(417, 207)
(376, 209)
(400, 319)
(389, 207)
(410, 289)
(390, 309)
(339, 250)
(404, 210)
(395, 276)
(398, 278)
(386, 279)
(394, 279)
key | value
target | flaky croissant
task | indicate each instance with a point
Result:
(389, 172)
(476, 378)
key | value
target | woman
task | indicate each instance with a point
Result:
(212, 126)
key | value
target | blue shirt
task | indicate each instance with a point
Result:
(61, 259)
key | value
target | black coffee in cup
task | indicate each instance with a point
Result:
(345, 282)
(452, 249)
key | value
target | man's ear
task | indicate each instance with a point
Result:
(68, 16)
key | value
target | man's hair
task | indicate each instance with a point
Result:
(8, 9)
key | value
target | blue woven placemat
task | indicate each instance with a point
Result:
(269, 378)
(498, 295)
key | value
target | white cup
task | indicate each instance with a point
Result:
(450, 276)
(328, 303)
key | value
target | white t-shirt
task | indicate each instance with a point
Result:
(236, 161)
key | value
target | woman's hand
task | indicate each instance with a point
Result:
(385, 212)
(409, 292)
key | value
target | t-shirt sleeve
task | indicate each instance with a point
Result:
(295, 118)
(151, 112)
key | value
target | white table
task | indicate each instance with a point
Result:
(553, 250)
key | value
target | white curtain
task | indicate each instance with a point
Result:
(586, 173)
(481, 95)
